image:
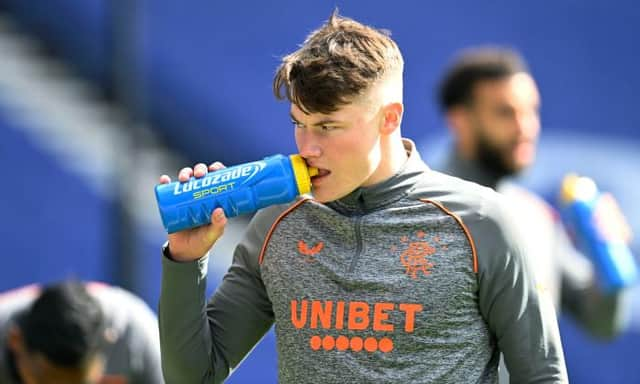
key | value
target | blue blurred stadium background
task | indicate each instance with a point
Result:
(98, 97)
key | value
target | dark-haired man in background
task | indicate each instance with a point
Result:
(491, 104)
(77, 333)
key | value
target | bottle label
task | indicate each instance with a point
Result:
(237, 190)
(219, 181)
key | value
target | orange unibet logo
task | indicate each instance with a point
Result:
(353, 316)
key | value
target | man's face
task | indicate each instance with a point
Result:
(35, 368)
(343, 145)
(505, 123)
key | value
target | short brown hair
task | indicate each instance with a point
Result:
(337, 63)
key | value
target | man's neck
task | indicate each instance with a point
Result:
(472, 170)
(394, 154)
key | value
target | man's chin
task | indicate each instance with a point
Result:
(521, 165)
(522, 158)
(321, 197)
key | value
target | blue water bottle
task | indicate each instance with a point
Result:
(600, 231)
(239, 189)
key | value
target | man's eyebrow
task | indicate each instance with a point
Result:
(317, 123)
(325, 122)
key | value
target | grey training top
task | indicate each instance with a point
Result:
(133, 357)
(418, 279)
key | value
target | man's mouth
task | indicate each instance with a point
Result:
(321, 173)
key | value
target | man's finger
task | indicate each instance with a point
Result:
(200, 170)
(216, 166)
(185, 174)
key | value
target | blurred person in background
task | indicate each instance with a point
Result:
(392, 272)
(492, 106)
(77, 333)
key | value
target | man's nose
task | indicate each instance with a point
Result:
(528, 125)
(308, 146)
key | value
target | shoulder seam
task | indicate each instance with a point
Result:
(464, 229)
(273, 227)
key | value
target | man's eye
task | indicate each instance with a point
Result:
(327, 128)
(505, 112)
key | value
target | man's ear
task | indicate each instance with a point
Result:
(457, 120)
(392, 117)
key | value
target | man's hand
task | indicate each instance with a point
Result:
(192, 244)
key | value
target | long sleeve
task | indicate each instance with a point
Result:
(200, 342)
(520, 313)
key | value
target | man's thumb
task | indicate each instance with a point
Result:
(218, 222)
